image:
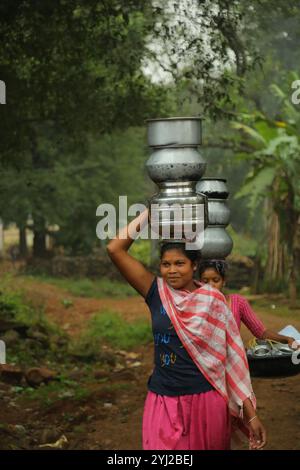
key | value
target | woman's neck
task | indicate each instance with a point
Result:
(191, 286)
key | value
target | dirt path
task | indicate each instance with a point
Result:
(111, 417)
(74, 318)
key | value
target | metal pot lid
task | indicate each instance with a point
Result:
(176, 118)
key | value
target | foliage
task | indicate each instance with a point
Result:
(82, 76)
(13, 307)
(242, 244)
(89, 288)
(200, 46)
(72, 71)
(141, 250)
(274, 178)
(111, 327)
(276, 150)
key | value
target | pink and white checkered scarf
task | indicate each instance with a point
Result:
(208, 331)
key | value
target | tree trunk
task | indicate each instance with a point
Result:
(293, 286)
(294, 274)
(1, 238)
(39, 244)
(23, 248)
(293, 240)
(39, 237)
(39, 229)
(255, 287)
(276, 262)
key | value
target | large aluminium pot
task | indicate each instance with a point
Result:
(177, 211)
(175, 131)
(272, 366)
(217, 243)
(175, 164)
(213, 188)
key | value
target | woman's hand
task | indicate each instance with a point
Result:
(258, 435)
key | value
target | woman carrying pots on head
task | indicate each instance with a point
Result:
(200, 386)
(213, 272)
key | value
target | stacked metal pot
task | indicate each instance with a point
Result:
(217, 242)
(176, 166)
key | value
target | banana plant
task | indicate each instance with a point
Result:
(274, 178)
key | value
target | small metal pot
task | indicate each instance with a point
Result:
(218, 212)
(213, 188)
(175, 164)
(176, 131)
(261, 350)
(283, 349)
(217, 243)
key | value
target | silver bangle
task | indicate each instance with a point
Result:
(252, 419)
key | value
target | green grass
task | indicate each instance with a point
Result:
(54, 391)
(65, 389)
(14, 307)
(281, 310)
(90, 288)
(112, 328)
(21, 313)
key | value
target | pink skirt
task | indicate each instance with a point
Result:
(188, 422)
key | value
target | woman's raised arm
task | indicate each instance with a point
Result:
(133, 271)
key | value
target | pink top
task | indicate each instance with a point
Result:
(242, 312)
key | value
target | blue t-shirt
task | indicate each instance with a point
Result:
(175, 373)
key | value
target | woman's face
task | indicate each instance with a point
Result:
(177, 269)
(212, 277)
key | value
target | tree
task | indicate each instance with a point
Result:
(210, 47)
(200, 45)
(72, 70)
(274, 176)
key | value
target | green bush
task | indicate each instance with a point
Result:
(14, 308)
(27, 319)
(141, 250)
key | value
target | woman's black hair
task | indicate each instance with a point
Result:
(192, 255)
(218, 264)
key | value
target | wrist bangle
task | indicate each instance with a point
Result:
(252, 419)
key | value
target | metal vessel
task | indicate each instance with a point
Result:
(175, 131)
(175, 164)
(177, 211)
(218, 212)
(213, 187)
(217, 243)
